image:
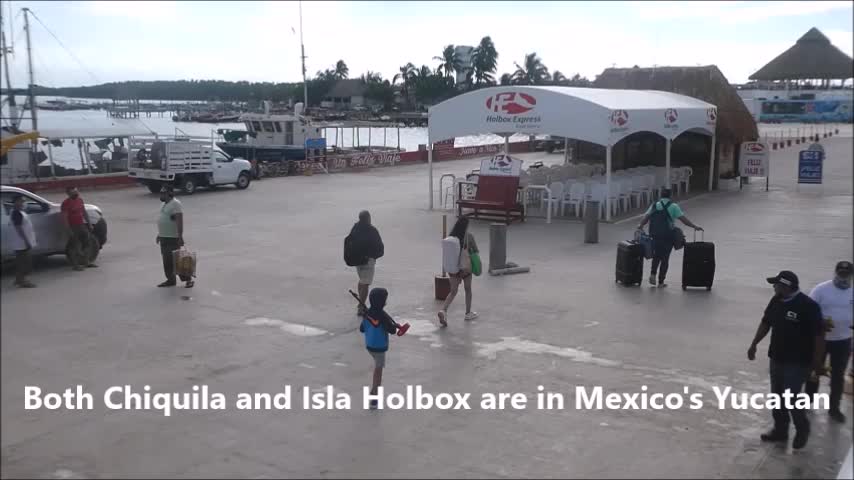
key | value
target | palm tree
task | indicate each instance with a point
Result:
(327, 74)
(451, 62)
(407, 72)
(506, 79)
(484, 61)
(372, 77)
(578, 81)
(558, 78)
(532, 72)
(341, 70)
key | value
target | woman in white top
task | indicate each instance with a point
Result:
(464, 275)
(22, 240)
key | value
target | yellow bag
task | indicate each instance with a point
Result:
(185, 263)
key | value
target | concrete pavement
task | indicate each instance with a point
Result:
(270, 308)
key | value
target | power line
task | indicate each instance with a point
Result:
(95, 77)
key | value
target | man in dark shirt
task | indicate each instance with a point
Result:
(366, 246)
(797, 348)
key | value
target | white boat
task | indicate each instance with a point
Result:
(271, 137)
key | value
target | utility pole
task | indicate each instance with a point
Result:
(33, 108)
(302, 48)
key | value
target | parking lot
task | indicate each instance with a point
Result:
(271, 308)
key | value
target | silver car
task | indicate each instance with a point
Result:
(51, 235)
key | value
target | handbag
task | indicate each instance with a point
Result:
(465, 262)
(644, 240)
(185, 263)
(476, 266)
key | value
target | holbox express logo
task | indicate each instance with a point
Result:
(619, 118)
(712, 115)
(511, 103)
(670, 116)
(755, 147)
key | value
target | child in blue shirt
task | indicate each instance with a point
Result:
(377, 325)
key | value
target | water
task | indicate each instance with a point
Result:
(410, 138)
(68, 155)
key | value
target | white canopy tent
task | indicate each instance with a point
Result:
(600, 116)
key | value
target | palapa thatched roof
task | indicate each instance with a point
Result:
(813, 56)
(735, 123)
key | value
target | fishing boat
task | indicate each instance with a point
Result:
(270, 137)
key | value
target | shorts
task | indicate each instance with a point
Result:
(366, 272)
(379, 359)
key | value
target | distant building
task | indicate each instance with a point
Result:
(465, 55)
(346, 94)
(804, 84)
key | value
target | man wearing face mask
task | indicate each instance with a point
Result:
(797, 348)
(170, 233)
(836, 299)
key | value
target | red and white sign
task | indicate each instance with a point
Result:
(511, 103)
(671, 115)
(712, 116)
(753, 161)
(501, 165)
(444, 144)
(619, 118)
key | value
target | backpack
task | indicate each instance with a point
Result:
(351, 257)
(659, 221)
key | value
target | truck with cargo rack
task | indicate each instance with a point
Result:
(185, 164)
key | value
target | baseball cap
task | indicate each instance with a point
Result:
(844, 267)
(785, 278)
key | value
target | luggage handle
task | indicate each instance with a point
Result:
(702, 235)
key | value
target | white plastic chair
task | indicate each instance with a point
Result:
(597, 194)
(556, 197)
(576, 197)
(676, 180)
(686, 173)
(616, 194)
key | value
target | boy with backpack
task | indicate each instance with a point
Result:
(661, 216)
(377, 325)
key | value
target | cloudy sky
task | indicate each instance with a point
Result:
(259, 41)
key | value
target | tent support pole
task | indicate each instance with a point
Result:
(712, 165)
(667, 162)
(608, 183)
(566, 151)
(507, 145)
(430, 169)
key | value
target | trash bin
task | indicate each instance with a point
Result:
(591, 222)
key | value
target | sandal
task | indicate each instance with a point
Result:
(442, 321)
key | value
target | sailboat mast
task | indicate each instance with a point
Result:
(302, 48)
(33, 108)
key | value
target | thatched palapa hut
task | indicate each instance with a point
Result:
(812, 57)
(734, 122)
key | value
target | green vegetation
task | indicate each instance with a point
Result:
(416, 86)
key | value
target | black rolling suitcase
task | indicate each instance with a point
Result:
(629, 263)
(698, 264)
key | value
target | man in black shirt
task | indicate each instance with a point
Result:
(362, 248)
(797, 348)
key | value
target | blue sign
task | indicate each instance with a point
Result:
(315, 143)
(810, 166)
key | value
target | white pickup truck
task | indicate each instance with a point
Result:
(186, 164)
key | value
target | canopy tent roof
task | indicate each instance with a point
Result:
(812, 57)
(594, 115)
(115, 131)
